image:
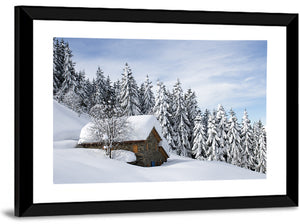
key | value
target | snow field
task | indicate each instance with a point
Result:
(73, 165)
(81, 165)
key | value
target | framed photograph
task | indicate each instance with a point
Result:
(132, 110)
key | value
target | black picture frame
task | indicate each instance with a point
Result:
(24, 17)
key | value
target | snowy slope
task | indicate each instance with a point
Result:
(91, 166)
(66, 123)
(78, 165)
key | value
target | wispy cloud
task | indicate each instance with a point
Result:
(232, 73)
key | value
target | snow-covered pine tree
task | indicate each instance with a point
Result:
(199, 149)
(88, 95)
(205, 117)
(110, 97)
(222, 129)
(259, 147)
(169, 98)
(262, 151)
(148, 97)
(58, 64)
(181, 122)
(73, 101)
(117, 90)
(256, 132)
(69, 74)
(212, 139)
(192, 111)
(162, 114)
(247, 141)
(234, 153)
(100, 87)
(94, 92)
(80, 83)
(141, 98)
(80, 89)
(57, 74)
(104, 93)
(129, 94)
(171, 111)
(158, 101)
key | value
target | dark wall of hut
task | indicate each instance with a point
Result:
(147, 153)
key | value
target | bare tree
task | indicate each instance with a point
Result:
(111, 126)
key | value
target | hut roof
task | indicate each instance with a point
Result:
(141, 127)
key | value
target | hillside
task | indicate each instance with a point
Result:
(66, 123)
(78, 165)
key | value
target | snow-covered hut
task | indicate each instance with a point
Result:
(143, 137)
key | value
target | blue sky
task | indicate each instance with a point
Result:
(231, 73)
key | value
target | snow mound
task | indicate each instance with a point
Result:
(123, 155)
(89, 134)
(66, 123)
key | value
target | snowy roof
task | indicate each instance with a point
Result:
(141, 126)
(139, 129)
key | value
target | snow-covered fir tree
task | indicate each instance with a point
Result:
(262, 152)
(159, 99)
(247, 141)
(100, 87)
(259, 148)
(141, 98)
(117, 90)
(235, 152)
(58, 64)
(199, 149)
(110, 97)
(69, 74)
(171, 110)
(66, 81)
(129, 94)
(205, 117)
(212, 138)
(192, 111)
(181, 122)
(94, 92)
(162, 114)
(80, 89)
(222, 129)
(88, 95)
(147, 96)
(72, 101)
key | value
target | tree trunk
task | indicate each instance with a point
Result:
(109, 148)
